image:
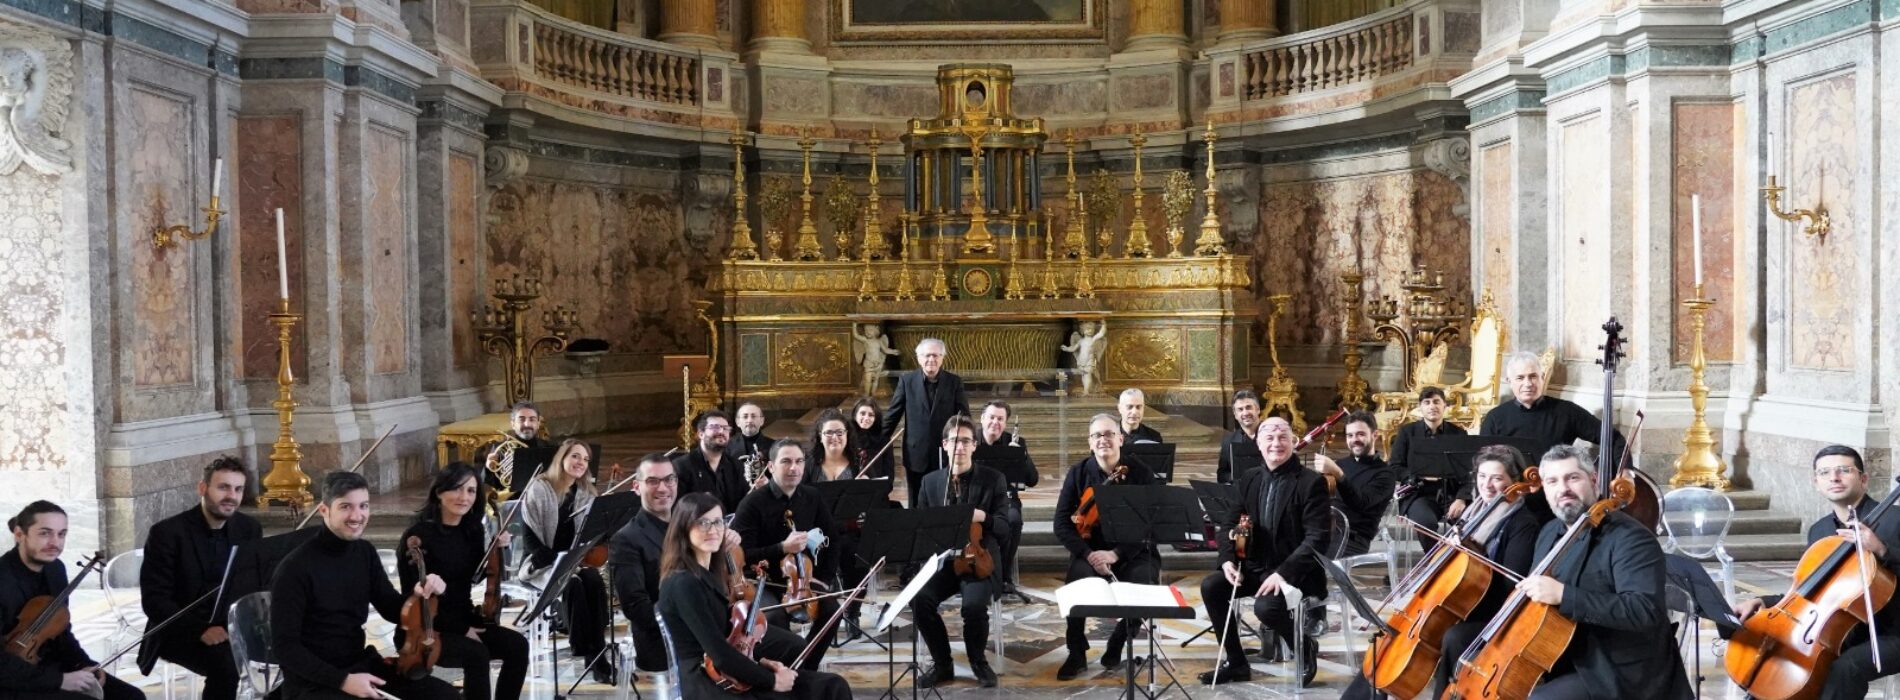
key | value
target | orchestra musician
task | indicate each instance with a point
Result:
(1238, 453)
(524, 427)
(923, 399)
(1438, 492)
(837, 459)
(1841, 478)
(711, 466)
(775, 522)
(449, 526)
(693, 600)
(1611, 585)
(32, 569)
(1508, 536)
(1133, 406)
(995, 435)
(553, 507)
(751, 439)
(1548, 420)
(186, 556)
(963, 482)
(1287, 506)
(1364, 484)
(634, 554)
(1096, 555)
(869, 436)
(320, 597)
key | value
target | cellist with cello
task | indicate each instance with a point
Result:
(699, 590)
(973, 572)
(1852, 554)
(43, 661)
(455, 547)
(1091, 553)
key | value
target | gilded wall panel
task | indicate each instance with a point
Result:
(1143, 355)
(808, 359)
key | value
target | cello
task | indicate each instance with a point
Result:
(421, 648)
(45, 617)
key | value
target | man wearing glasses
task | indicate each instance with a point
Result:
(963, 482)
(705, 469)
(1095, 555)
(1841, 478)
(634, 554)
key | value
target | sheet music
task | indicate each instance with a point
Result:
(925, 572)
(1098, 591)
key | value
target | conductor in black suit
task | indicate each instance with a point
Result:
(925, 399)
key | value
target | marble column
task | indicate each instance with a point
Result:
(1156, 24)
(778, 26)
(691, 23)
(1246, 20)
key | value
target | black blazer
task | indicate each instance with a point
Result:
(696, 618)
(982, 486)
(60, 654)
(923, 420)
(1613, 589)
(634, 554)
(181, 565)
(1288, 540)
(696, 475)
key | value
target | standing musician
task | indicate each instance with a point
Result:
(449, 526)
(1238, 453)
(1547, 419)
(1437, 492)
(711, 466)
(1841, 478)
(1364, 484)
(695, 604)
(1133, 406)
(185, 557)
(1289, 525)
(553, 507)
(1508, 536)
(634, 554)
(524, 431)
(963, 482)
(1095, 555)
(33, 569)
(869, 437)
(923, 399)
(775, 523)
(320, 598)
(994, 436)
(751, 425)
(1611, 585)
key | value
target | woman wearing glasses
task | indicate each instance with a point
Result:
(695, 605)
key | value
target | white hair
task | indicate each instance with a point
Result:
(1522, 357)
(921, 344)
(1133, 393)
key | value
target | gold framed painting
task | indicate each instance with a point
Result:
(927, 21)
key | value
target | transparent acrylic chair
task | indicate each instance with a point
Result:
(121, 584)
(1696, 522)
(251, 646)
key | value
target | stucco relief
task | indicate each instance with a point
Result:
(1823, 286)
(36, 83)
(162, 317)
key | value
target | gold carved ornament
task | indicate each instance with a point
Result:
(842, 211)
(1144, 355)
(1103, 202)
(1177, 199)
(775, 204)
(977, 282)
(807, 359)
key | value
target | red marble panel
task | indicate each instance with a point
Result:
(162, 312)
(386, 262)
(269, 176)
(1822, 278)
(465, 293)
(1703, 143)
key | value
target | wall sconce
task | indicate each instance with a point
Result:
(1819, 223)
(168, 236)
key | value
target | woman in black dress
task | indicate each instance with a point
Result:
(449, 526)
(868, 437)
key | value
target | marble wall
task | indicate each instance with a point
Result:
(1703, 142)
(1581, 208)
(388, 255)
(269, 175)
(1496, 190)
(1822, 287)
(163, 315)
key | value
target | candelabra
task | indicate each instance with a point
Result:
(1819, 222)
(1075, 235)
(867, 284)
(1425, 319)
(807, 247)
(1209, 242)
(874, 247)
(1353, 391)
(286, 482)
(1137, 246)
(167, 236)
(503, 331)
(1699, 464)
(1282, 392)
(741, 246)
(977, 240)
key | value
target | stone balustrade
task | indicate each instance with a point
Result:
(574, 54)
(1372, 46)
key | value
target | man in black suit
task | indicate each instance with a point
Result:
(32, 569)
(1095, 554)
(634, 554)
(1611, 584)
(186, 557)
(924, 399)
(1546, 419)
(710, 467)
(995, 439)
(1364, 484)
(1238, 453)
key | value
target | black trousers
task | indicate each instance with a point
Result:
(1271, 608)
(1854, 671)
(976, 614)
(115, 690)
(778, 645)
(1457, 637)
(1142, 568)
(426, 688)
(497, 644)
(1428, 502)
(649, 648)
(915, 482)
(212, 661)
(1012, 540)
(782, 619)
(584, 607)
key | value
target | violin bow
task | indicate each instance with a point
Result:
(1482, 559)
(353, 467)
(838, 614)
(1866, 581)
(880, 453)
(1233, 594)
(148, 633)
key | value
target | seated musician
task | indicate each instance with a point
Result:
(995, 420)
(1133, 406)
(1237, 452)
(963, 482)
(524, 426)
(634, 555)
(320, 597)
(1841, 478)
(1290, 525)
(1436, 492)
(1363, 482)
(553, 507)
(775, 523)
(694, 600)
(710, 466)
(33, 569)
(868, 437)
(454, 544)
(836, 461)
(1507, 536)
(1622, 647)
(1095, 555)
(749, 431)
(185, 558)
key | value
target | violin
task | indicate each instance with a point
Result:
(799, 569)
(1243, 531)
(744, 615)
(421, 649)
(492, 574)
(45, 617)
(1332, 483)
(974, 560)
(1087, 516)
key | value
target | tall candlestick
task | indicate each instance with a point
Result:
(217, 177)
(1695, 218)
(283, 266)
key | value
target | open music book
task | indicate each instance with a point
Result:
(1099, 592)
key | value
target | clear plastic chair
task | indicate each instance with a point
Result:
(1696, 521)
(120, 582)
(251, 647)
(1384, 550)
(666, 684)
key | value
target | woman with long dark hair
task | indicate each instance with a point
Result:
(868, 437)
(695, 606)
(833, 455)
(553, 507)
(449, 527)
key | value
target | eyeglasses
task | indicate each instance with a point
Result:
(709, 525)
(1830, 472)
(1097, 437)
(653, 481)
(833, 433)
(961, 441)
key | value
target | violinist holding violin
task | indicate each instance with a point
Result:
(963, 482)
(449, 528)
(1091, 553)
(320, 598)
(775, 523)
(32, 569)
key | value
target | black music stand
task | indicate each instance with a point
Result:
(1018, 470)
(1158, 457)
(1152, 515)
(903, 536)
(849, 500)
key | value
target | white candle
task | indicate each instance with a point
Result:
(1771, 154)
(1695, 217)
(283, 264)
(217, 177)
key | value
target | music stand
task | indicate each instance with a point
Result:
(901, 536)
(1452, 454)
(1152, 515)
(1343, 581)
(849, 500)
(1158, 457)
(1018, 470)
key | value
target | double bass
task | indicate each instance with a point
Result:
(45, 617)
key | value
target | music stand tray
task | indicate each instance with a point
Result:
(1012, 461)
(1158, 457)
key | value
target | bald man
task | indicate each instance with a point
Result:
(1095, 555)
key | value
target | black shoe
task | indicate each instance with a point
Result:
(985, 676)
(604, 672)
(1073, 667)
(1112, 658)
(1309, 661)
(936, 674)
(1227, 673)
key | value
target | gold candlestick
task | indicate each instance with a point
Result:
(1699, 465)
(1138, 246)
(807, 247)
(977, 240)
(940, 282)
(1353, 390)
(741, 246)
(1013, 287)
(1084, 287)
(874, 247)
(904, 291)
(1050, 288)
(1282, 391)
(1075, 241)
(286, 482)
(1209, 242)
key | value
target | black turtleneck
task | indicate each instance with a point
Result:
(451, 553)
(319, 600)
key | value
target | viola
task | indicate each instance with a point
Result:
(45, 617)
(1087, 516)
(743, 612)
(421, 648)
(799, 570)
(974, 560)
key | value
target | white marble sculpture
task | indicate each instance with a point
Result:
(1086, 348)
(873, 347)
(36, 84)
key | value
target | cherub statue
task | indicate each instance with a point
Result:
(1086, 347)
(35, 84)
(873, 347)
